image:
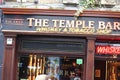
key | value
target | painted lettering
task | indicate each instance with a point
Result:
(78, 23)
(116, 26)
(38, 22)
(45, 22)
(101, 25)
(62, 23)
(84, 25)
(30, 20)
(91, 24)
(109, 25)
(74, 26)
(70, 23)
(55, 22)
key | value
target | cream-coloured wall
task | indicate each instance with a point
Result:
(49, 1)
(39, 1)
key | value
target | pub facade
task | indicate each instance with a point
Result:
(61, 45)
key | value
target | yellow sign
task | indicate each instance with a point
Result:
(73, 26)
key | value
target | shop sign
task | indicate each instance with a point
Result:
(53, 24)
(106, 49)
(73, 26)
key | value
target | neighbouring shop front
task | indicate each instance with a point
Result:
(56, 44)
(107, 55)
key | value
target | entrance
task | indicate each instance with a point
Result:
(31, 67)
(107, 70)
(107, 60)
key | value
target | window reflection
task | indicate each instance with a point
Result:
(59, 68)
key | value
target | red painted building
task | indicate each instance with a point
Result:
(55, 43)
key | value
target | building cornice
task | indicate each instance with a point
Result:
(57, 12)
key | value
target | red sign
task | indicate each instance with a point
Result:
(108, 49)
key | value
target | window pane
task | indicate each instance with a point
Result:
(31, 67)
(54, 45)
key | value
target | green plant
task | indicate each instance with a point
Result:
(84, 4)
(87, 3)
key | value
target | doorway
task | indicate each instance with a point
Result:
(107, 70)
(58, 67)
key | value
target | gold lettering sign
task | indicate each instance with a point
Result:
(73, 26)
(67, 26)
(14, 21)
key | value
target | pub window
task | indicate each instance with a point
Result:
(32, 67)
(54, 45)
(54, 57)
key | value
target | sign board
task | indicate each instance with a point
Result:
(79, 61)
(106, 49)
(62, 24)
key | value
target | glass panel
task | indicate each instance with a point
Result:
(113, 70)
(33, 67)
(53, 45)
(107, 70)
